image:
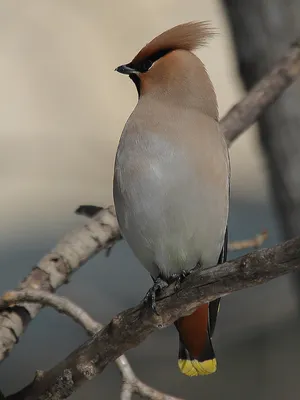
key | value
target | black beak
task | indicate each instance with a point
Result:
(125, 69)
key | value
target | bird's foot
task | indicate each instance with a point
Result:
(179, 278)
(159, 284)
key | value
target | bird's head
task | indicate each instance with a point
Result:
(167, 61)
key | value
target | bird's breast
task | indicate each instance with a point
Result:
(171, 199)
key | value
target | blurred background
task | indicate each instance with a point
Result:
(62, 111)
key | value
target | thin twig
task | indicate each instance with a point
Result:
(253, 243)
(131, 384)
(59, 303)
(131, 327)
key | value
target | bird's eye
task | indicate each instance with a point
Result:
(146, 65)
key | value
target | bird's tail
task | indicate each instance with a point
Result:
(196, 354)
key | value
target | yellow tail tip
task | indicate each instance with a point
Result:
(196, 368)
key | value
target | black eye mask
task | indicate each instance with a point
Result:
(145, 66)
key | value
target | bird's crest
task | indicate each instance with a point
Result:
(188, 36)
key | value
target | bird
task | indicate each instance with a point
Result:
(172, 177)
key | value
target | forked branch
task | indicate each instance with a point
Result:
(131, 327)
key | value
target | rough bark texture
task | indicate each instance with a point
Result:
(54, 270)
(131, 327)
(131, 384)
(261, 31)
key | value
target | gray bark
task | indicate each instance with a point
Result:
(131, 327)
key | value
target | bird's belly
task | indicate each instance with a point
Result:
(167, 214)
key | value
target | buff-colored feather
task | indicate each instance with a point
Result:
(188, 36)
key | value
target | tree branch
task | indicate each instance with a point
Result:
(55, 269)
(131, 327)
(255, 242)
(264, 93)
(131, 384)
(59, 303)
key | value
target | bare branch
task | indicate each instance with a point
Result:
(53, 270)
(131, 384)
(126, 391)
(61, 304)
(248, 243)
(264, 93)
(149, 393)
(131, 327)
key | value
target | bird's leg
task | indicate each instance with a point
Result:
(178, 278)
(158, 285)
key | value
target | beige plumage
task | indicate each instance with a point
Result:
(171, 180)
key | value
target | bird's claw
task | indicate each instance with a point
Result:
(158, 285)
(179, 278)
